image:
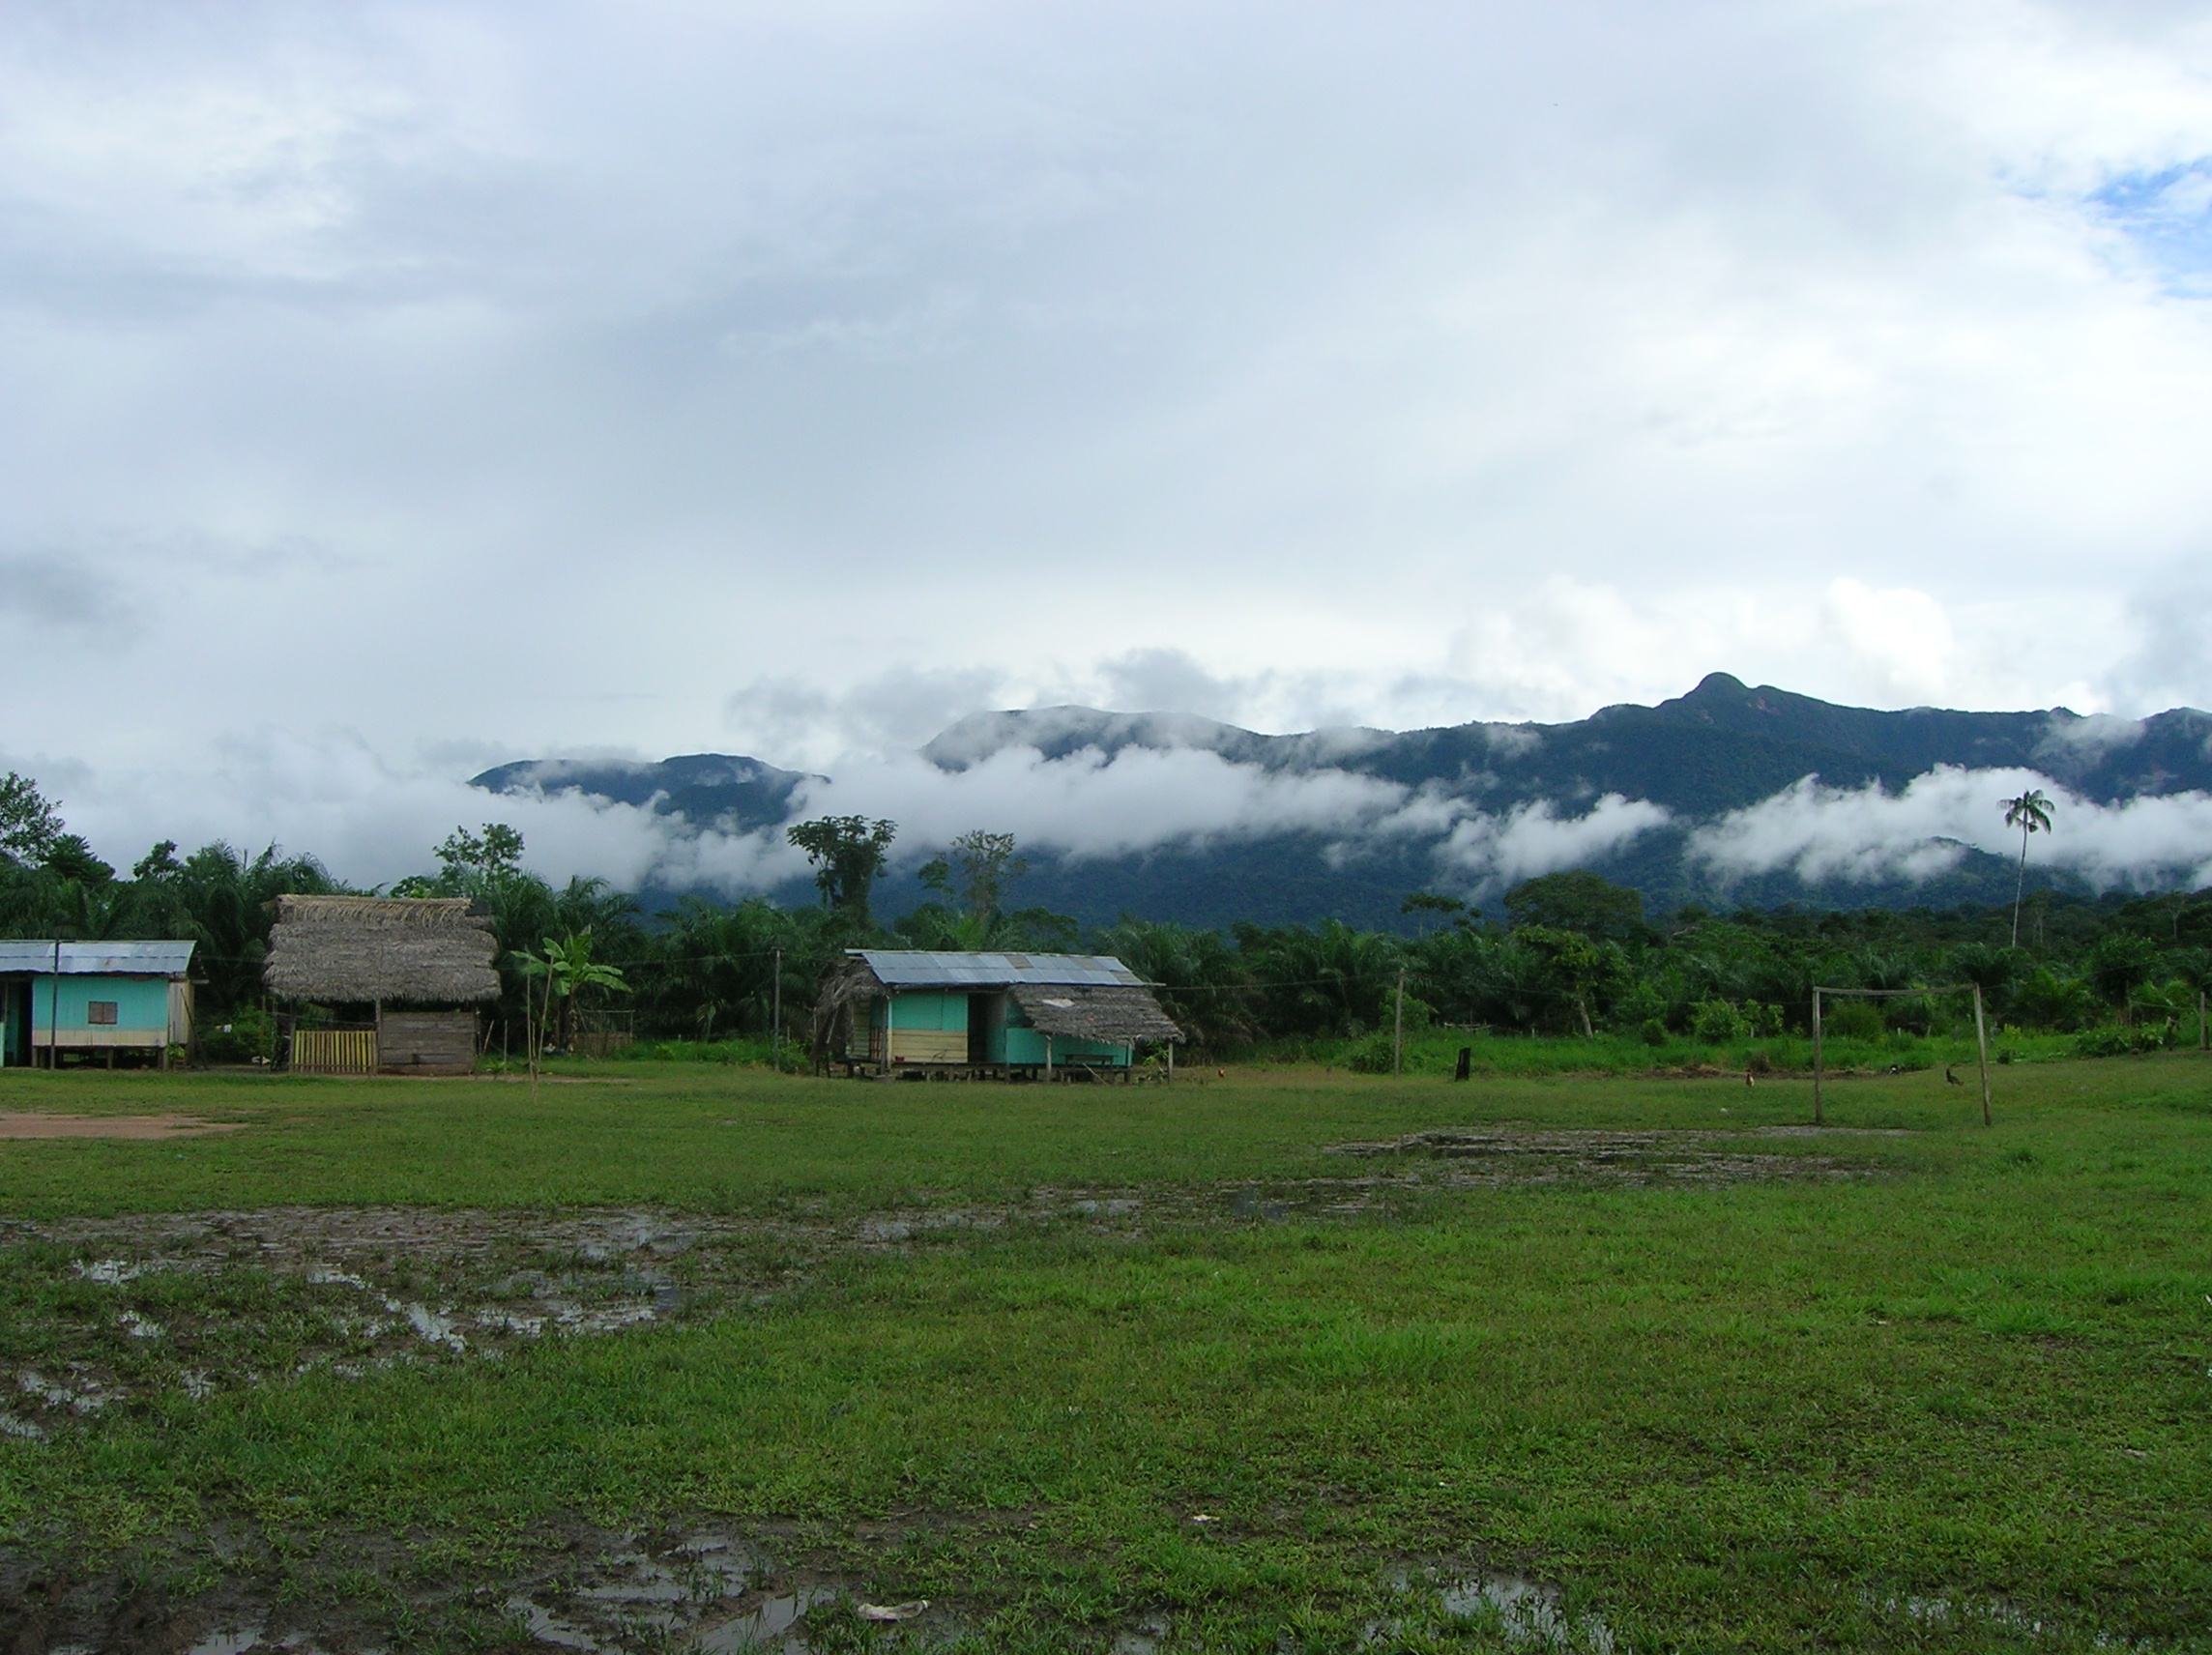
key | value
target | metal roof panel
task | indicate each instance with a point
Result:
(163, 959)
(915, 968)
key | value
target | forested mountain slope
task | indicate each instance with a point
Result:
(1720, 758)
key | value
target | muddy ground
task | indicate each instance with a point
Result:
(113, 1314)
(35, 1124)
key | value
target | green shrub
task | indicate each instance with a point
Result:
(2113, 1042)
(1653, 1032)
(1371, 1054)
(1852, 1020)
(249, 1034)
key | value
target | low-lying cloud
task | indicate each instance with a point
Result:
(1870, 834)
(1534, 839)
(374, 819)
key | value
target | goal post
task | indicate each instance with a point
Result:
(1981, 1033)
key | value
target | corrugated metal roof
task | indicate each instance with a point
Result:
(98, 959)
(911, 968)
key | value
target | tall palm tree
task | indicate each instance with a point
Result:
(2030, 813)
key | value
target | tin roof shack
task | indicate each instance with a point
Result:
(892, 1010)
(94, 1000)
(418, 967)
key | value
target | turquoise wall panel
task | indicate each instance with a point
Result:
(1027, 1046)
(946, 1012)
(140, 1002)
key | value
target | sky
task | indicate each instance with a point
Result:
(388, 391)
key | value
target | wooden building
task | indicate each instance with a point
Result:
(892, 1010)
(94, 1000)
(402, 975)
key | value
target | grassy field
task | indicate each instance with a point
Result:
(1597, 1362)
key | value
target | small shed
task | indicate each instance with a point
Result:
(891, 1010)
(417, 967)
(93, 998)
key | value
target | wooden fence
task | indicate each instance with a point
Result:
(333, 1051)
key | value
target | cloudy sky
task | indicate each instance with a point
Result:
(389, 389)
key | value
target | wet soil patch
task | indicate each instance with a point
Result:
(117, 1312)
(574, 1585)
(1488, 1157)
(22, 1125)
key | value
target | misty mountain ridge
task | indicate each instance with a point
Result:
(1681, 800)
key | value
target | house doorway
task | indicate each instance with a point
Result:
(982, 1008)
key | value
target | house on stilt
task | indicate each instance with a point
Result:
(93, 1002)
(398, 979)
(894, 1011)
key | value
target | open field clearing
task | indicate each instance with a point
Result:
(697, 1357)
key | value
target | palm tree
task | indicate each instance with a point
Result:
(2030, 813)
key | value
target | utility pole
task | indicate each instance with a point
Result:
(1982, 1050)
(54, 1012)
(1817, 1068)
(1398, 1035)
(775, 1025)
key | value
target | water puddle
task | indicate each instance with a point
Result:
(1521, 1612)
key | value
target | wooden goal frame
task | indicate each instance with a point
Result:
(1981, 1033)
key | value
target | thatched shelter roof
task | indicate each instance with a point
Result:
(1082, 1011)
(347, 949)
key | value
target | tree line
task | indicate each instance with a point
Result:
(1570, 954)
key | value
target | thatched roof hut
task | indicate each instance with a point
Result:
(356, 949)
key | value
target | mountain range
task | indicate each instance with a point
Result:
(1681, 794)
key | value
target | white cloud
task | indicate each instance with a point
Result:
(1535, 838)
(1089, 805)
(1867, 834)
(1380, 365)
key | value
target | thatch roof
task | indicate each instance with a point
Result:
(424, 951)
(1082, 1012)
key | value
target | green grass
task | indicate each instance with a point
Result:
(1435, 1052)
(1761, 1415)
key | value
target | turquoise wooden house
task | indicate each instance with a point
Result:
(895, 1010)
(92, 1000)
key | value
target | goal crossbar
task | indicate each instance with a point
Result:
(1981, 1033)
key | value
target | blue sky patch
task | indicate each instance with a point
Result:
(2169, 214)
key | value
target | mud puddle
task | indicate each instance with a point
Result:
(600, 1592)
(1488, 1157)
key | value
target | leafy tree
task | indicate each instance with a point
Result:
(1578, 966)
(471, 865)
(29, 823)
(848, 852)
(2121, 963)
(1577, 900)
(1427, 902)
(980, 868)
(2030, 813)
(70, 857)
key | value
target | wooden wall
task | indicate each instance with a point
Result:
(427, 1042)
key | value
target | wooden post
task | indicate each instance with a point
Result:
(1982, 1044)
(1048, 1059)
(1816, 1070)
(890, 1002)
(776, 1021)
(1170, 1062)
(2200, 1046)
(1398, 1034)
